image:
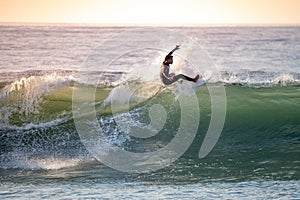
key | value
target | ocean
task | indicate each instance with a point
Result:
(84, 115)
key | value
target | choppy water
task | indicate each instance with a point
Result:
(43, 156)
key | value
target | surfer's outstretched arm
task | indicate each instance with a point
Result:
(176, 48)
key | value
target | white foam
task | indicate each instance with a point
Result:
(47, 163)
(54, 163)
(120, 94)
(37, 85)
(39, 125)
(130, 93)
(28, 94)
(284, 79)
(258, 78)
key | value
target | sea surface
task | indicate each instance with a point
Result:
(50, 146)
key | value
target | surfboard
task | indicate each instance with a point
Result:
(202, 80)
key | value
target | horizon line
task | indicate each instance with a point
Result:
(147, 24)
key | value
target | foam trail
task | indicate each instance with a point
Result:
(29, 126)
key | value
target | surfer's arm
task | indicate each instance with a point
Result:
(176, 48)
(167, 77)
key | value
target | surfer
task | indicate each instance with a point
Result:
(168, 78)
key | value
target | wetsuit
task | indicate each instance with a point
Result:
(168, 78)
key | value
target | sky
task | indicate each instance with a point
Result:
(151, 12)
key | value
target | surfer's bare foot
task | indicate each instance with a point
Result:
(196, 78)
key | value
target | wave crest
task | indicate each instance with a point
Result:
(25, 95)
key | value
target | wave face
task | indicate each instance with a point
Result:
(261, 127)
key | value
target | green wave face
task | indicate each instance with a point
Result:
(261, 124)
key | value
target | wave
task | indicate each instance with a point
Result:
(42, 99)
(263, 115)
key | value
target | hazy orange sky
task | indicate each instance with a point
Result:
(154, 12)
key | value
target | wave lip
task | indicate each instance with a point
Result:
(36, 85)
(24, 96)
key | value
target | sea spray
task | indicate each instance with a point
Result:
(23, 97)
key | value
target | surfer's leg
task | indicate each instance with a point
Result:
(174, 79)
(167, 81)
(184, 77)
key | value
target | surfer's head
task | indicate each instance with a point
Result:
(169, 59)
